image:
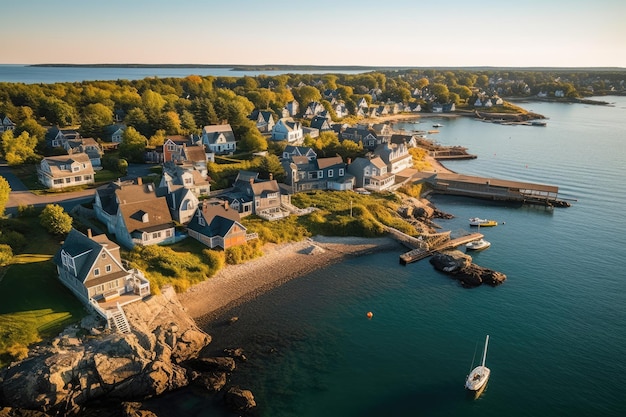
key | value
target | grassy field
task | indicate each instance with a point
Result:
(34, 305)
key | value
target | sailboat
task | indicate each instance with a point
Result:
(477, 379)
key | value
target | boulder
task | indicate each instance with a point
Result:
(212, 381)
(219, 364)
(239, 399)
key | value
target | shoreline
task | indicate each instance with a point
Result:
(234, 285)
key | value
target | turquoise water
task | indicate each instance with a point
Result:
(557, 325)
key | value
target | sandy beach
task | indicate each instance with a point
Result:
(236, 284)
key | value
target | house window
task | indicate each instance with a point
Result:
(330, 173)
(68, 180)
(341, 173)
(58, 181)
(107, 268)
(96, 272)
(75, 169)
(156, 235)
(77, 179)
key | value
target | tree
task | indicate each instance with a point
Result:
(271, 166)
(55, 220)
(5, 190)
(306, 94)
(133, 145)
(94, 118)
(17, 150)
(57, 111)
(137, 119)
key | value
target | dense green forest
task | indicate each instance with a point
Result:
(156, 107)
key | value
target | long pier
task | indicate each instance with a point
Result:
(496, 189)
(421, 253)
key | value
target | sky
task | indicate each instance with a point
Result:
(414, 33)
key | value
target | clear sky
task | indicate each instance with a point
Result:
(454, 33)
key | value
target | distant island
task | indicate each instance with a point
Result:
(281, 67)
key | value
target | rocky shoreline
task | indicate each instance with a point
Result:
(90, 370)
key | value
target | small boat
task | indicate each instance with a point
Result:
(476, 221)
(538, 123)
(477, 379)
(479, 244)
(437, 125)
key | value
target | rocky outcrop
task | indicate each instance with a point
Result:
(63, 375)
(240, 399)
(460, 266)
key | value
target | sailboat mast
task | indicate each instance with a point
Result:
(485, 351)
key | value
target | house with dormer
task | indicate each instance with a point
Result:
(64, 171)
(358, 134)
(134, 213)
(303, 174)
(371, 173)
(396, 156)
(313, 109)
(215, 224)
(219, 139)
(88, 146)
(321, 124)
(264, 120)
(114, 133)
(6, 124)
(291, 151)
(288, 129)
(181, 202)
(57, 138)
(173, 148)
(251, 195)
(91, 267)
(187, 176)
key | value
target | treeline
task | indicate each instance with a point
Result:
(156, 107)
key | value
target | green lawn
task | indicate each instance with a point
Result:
(34, 305)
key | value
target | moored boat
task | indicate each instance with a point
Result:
(479, 244)
(437, 125)
(476, 381)
(476, 221)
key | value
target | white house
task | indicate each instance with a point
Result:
(65, 171)
(288, 129)
(219, 139)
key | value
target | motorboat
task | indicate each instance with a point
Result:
(476, 221)
(476, 381)
(479, 244)
(437, 125)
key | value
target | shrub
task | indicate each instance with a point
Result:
(24, 210)
(215, 260)
(14, 239)
(6, 253)
(55, 220)
(241, 253)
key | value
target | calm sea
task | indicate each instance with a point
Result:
(558, 341)
(47, 75)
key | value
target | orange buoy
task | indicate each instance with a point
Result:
(370, 314)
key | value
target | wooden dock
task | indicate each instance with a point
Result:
(421, 253)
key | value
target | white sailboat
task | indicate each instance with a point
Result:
(477, 379)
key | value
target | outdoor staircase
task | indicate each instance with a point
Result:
(118, 320)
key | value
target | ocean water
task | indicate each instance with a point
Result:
(47, 75)
(557, 324)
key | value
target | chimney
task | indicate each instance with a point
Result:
(348, 161)
(271, 176)
(89, 233)
(251, 180)
(139, 181)
(226, 206)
